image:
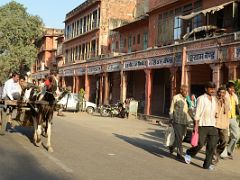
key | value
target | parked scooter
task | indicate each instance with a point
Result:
(116, 110)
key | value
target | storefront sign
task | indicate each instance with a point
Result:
(208, 55)
(39, 76)
(69, 72)
(113, 67)
(237, 52)
(80, 71)
(164, 60)
(94, 70)
(60, 73)
(139, 64)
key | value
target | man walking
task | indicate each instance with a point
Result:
(179, 119)
(222, 122)
(205, 122)
(232, 98)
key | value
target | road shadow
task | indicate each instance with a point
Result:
(26, 131)
(153, 141)
(152, 146)
(17, 163)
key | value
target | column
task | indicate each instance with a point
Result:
(148, 90)
(74, 84)
(87, 87)
(216, 74)
(98, 16)
(173, 75)
(106, 88)
(232, 71)
(101, 89)
(77, 84)
(185, 70)
(123, 87)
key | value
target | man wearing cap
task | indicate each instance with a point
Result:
(205, 122)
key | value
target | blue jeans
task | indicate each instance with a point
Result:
(234, 130)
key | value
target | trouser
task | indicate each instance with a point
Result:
(207, 135)
(180, 131)
(234, 132)
(222, 142)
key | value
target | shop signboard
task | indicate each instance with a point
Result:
(114, 67)
(69, 72)
(202, 56)
(137, 64)
(80, 71)
(237, 52)
(94, 70)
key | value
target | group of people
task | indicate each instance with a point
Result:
(215, 120)
(17, 87)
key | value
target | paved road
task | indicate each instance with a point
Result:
(95, 148)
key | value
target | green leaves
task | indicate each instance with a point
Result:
(18, 32)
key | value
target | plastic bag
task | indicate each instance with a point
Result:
(195, 138)
(169, 136)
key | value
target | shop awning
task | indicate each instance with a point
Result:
(211, 10)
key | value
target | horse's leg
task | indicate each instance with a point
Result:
(49, 133)
(39, 132)
(35, 130)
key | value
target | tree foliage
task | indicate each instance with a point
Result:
(18, 32)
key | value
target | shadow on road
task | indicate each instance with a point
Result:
(151, 142)
(17, 163)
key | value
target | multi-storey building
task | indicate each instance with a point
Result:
(46, 58)
(175, 42)
(87, 28)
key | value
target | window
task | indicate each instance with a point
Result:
(197, 21)
(80, 27)
(117, 45)
(121, 42)
(134, 40)
(66, 56)
(145, 40)
(129, 44)
(138, 39)
(166, 27)
(113, 47)
(125, 42)
(177, 28)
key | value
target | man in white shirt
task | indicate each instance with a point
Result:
(12, 90)
(205, 122)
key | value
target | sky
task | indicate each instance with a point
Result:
(52, 12)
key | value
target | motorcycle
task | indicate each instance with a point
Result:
(116, 110)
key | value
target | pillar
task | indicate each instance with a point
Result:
(186, 77)
(216, 74)
(77, 84)
(232, 71)
(173, 72)
(123, 87)
(106, 88)
(184, 61)
(148, 90)
(74, 84)
(101, 90)
(87, 87)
